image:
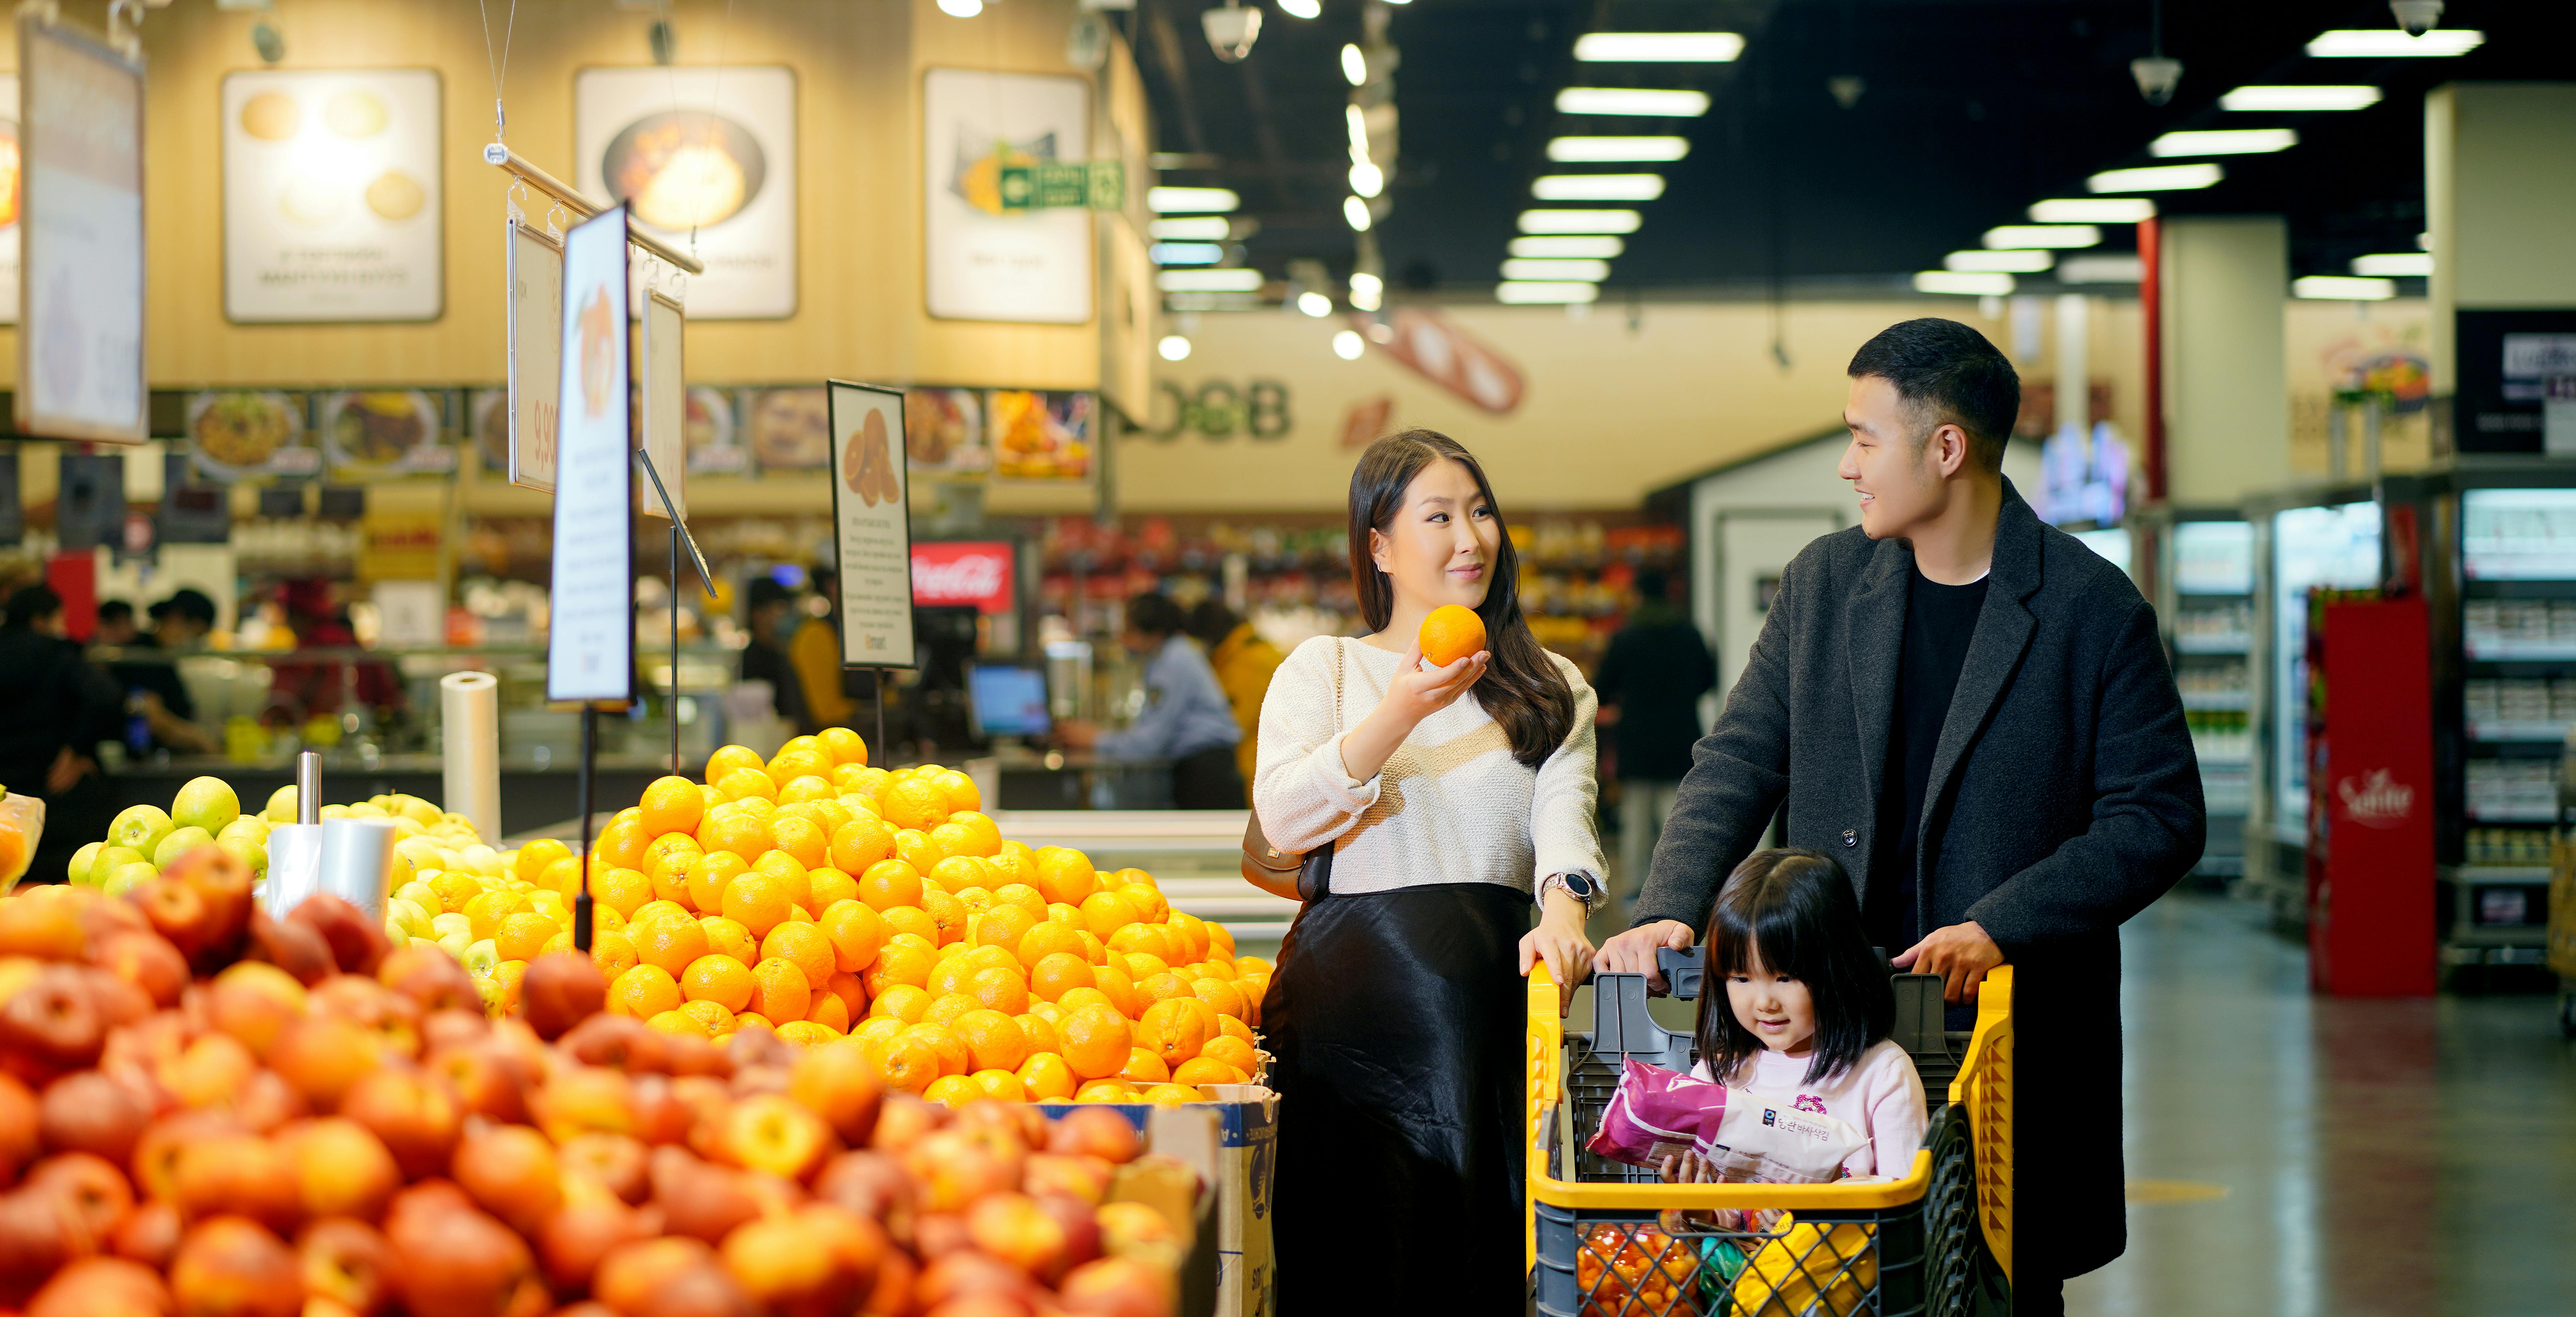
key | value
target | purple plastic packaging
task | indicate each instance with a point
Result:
(1656, 1113)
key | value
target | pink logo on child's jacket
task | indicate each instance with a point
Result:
(1810, 1102)
(2375, 802)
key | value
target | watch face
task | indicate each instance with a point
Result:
(1580, 885)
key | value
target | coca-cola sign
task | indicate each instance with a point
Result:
(960, 573)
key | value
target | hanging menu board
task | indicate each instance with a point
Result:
(590, 642)
(663, 404)
(80, 341)
(331, 195)
(871, 526)
(536, 352)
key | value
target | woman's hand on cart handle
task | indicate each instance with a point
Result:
(1559, 941)
(1414, 695)
(1633, 952)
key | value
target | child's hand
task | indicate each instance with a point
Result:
(1687, 1168)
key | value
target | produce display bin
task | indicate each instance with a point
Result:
(1610, 1240)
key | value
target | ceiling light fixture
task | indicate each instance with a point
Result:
(1543, 294)
(1632, 100)
(2115, 268)
(1301, 8)
(1166, 200)
(961, 8)
(1520, 270)
(2092, 210)
(2389, 43)
(1315, 304)
(1367, 291)
(1354, 65)
(2225, 141)
(2156, 178)
(1355, 213)
(1185, 253)
(1980, 261)
(1210, 228)
(2298, 98)
(1658, 47)
(1367, 179)
(1580, 221)
(1173, 348)
(2343, 288)
(1604, 150)
(2156, 73)
(1209, 281)
(1597, 248)
(2008, 236)
(1963, 282)
(1348, 345)
(2395, 265)
(1597, 187)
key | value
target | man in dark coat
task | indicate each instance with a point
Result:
(1971, 711)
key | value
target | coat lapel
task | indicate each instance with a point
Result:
(2004, 628)
(1874, 619)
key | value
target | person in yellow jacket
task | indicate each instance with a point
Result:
(814, 651)
(1243, 663)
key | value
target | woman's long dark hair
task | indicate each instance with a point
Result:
(1522, 690)
(1794, 910)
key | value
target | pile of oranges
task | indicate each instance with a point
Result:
(834, 902)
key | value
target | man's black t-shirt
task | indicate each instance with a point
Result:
(1940, 620)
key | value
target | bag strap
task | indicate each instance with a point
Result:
(1257, 850)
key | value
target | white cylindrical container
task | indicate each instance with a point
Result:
(294, 867)
(470, 709)
(357, 861)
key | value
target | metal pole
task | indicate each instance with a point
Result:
(308, 787)
(674, 711)
(581, 902)
(882, 752)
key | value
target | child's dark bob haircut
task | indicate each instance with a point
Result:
(1793, 912)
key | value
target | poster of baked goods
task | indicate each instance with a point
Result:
(871, 525)
(706, 158)
(331, 195)
(373, 433)
(791, 429)
(986, 262)
(9, 175)
(247, 434)
(1041, 436)
(943, 431)
(707, 428)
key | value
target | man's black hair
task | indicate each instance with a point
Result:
(1950, 371)
(766, 590)
(1154, 613)
(188, 604)
(117, 610)
(1211, 622)
(1653, 586)
(31, 603)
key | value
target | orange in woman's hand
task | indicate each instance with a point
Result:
(1451, 633)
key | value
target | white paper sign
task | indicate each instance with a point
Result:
(984, 263)
(665, 406)
(80, 343)
(707, 160)
(536, 353)
(13, 164)
(332, 206)
(590, 643)
(872, 526)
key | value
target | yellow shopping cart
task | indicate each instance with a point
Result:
(1610, 1240)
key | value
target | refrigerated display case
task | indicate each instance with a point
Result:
(2300, 541)
(2204, 589)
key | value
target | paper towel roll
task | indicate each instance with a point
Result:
(294, 867)
(470, 707)
(357, 860)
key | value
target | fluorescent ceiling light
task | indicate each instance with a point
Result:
(1208, 228)
(1958, 281)
(961, 8)
(2092, 210)
(2156, 178)
(2395, 265)
(1596, 150)
(1315, 304)
(2009, 236)
(1368, 180)
(1173, 348)
(1990, 262)
(1354, 65)
(1355, 213)
(2343, 288)
(1658, 47)
(1632, 100)
(2225, 141)
(1209, 281)
(1587, 271)
(1165, 200)
(1301, 8)
(1367, 291)
(1580, 221)
(2390, 43)
(2297, 98)
(1347, 345)
(1601, 248)
(1598, 187)
(2107, 269)
(1527, 294)
(1185, 253)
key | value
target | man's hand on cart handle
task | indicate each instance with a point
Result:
(1960, 954)
(1633, 952)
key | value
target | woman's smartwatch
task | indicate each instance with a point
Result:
(1580, 886)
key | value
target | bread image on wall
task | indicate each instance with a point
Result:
(869, 460)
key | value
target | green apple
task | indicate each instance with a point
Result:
(410, 918)
(281, 805)
(107, 860)
(126, 877)
(481, 859)
(420, 894)
(141, 827)
(395, 938)
(205, 802)
(252, 853)
(78, 870)
(456, 943)
(481, 958)
(417, 810)
(338, 812)
(179, 843)
(249, 826)
(453, 924)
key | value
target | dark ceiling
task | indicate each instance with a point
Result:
(1971, 109)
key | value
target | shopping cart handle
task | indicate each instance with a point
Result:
(1681, 968)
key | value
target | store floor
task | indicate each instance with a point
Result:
(2302, 1156)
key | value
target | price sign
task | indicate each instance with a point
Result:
(590, 643)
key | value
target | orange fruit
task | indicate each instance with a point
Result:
(1190, 934)
(680, 1022)
(707, 876)
(955, 839)
(905, 1002)
(951, 1049)
(1075, 999)
(953, 1091)
(950, 974)
(622, 890)
(1220, 941)
(756, 900)
(488, 910)
(747, 784)
(1013, 866)
(1139, 965)
(914, 847)
(717, 1020)
(830, 1012)
(667, 863)
(802, 789)
(730, 758)
(785, 868)
(1172, 1030)
(1096, 1041)
(993, 1039)
(804, 946)
(1105, 1090)
(1222, 997)
(948, 1008)
(1248, 963)
(854, 932)
(643, 992)
(1230, 1050)
(1104, 913)
(829, 887)
(860, 780)
(670, 944)
(612, 953)
(1023, 896)
(1143, 1067)
(1204, 1070)
(620, 846)
(846, 986)
(1149, 903)
(536, 855)
(1049, 939)
(1093, 949)
(738, 831)
(915, 803)
(947, 913)
(1450, 633)
(1000, 1085)
(985, 834)
(747, 1019)
(1230, 1027)
(1053, 976)
(1120, 987)
(1161, 988)
(800, 838)
(1044, 1077)
(827, 813)
(793, 761)
(905, 1064)
(719, 978)
(658, 909)
(843, 745)
(1169, 1095)
(1040, 1031)
(1067, 876)
(897, 964)
(1003, 926)
(889, 883)
(960, 790)
(876, 1029)
(670, 804)
(999, 988)
(780, 990)
(914, 920)
(729, 938)
(861, 842)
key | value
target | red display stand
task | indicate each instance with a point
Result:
(2370, 885)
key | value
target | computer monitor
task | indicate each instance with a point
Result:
(1006, 699)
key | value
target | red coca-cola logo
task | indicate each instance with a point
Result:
(960, 574)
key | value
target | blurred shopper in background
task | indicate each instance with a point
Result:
(815, 651)
(149, 676)
(115, 624)
(769, 610)
(55, 707)
(1243, 662)
(1650, 684)
(1186, 719)
(307, 690)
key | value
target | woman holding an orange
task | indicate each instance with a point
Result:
(1397, 1013)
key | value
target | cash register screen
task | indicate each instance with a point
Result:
(1008, 700)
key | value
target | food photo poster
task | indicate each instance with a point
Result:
(331, 206)
(871, 526)
(706, 158)
(986, 261)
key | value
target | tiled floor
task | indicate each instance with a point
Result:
(2321, 1158)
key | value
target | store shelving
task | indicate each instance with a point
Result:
(2207, 578)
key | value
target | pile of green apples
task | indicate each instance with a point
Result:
(146, 838)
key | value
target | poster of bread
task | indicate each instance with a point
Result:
(706, 158)
(332, 196)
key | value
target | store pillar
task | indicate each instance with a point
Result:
(2226, 384)
(2499, 186)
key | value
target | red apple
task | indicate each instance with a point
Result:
(102, 1287)
(19, 1136)
(935, 1235)
(451, 1027)
(662, 1115)
(424, 1199)
(93, 1186)
(414, 1113)
(266, 1102)
(223, 881)
(841, 1087)
(572, 1242)
(580, 1099)
(147, 960)
(1119, 1287)
(40, 1230)
(230, 1266)
(1081, 1177)
(341, 1168)
(775, 1133)
(429, 976)
(512, 1171)
(322, 1056)
(630, 1275)
(561, 990)
(706, 1291)
(755, 1046)
(987, 1305)
(954, 1168)
(1012, 1227)
(906, 1119)
(871, 1184)
(615, 1162)
(357, 944)
(240, 1174)
(149, 1234)
(295, 948)
(700, 1200)
(348, 1262)
(688, 1054)
(485, 1079)
(806, 1265)
(89, 1112)
(391, 1016)
(620, 1042)
(176, 912)
(458, 1264)
(51, 1026)
(255, 1002)
(966, 1272)
(892, 1295)
(156, 1155)
(47, 928)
